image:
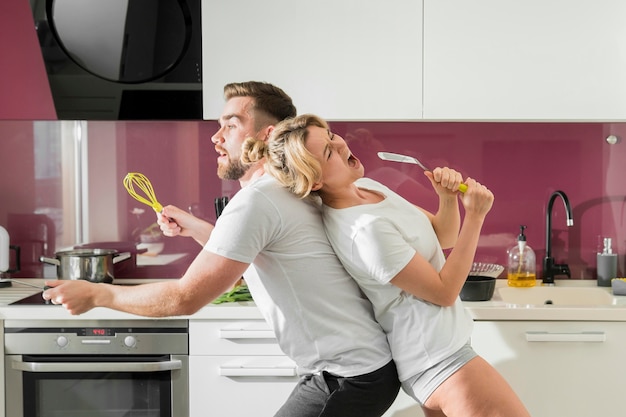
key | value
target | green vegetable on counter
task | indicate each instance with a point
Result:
(239, 293)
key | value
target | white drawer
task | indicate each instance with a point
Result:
(232, 337)
(239, 386)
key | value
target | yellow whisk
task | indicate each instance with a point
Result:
(135, 179)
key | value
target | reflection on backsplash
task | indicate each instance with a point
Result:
(69, 180)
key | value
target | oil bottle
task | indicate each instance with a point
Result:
(521, 267)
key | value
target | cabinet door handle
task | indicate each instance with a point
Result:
(257, 371)
(246, 334)
(565, 337)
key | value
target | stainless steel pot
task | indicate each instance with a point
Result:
(95, 265)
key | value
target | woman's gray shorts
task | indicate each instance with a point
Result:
(422, 385)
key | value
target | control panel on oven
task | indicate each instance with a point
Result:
(96, 337)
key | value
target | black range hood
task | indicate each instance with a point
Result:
(143, 62)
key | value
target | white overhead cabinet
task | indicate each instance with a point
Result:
(342, 60)
(524, 60)
(424, 59)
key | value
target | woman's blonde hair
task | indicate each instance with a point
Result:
(287, 158)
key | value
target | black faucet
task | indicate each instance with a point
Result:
(550, 269)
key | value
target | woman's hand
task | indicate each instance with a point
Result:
(445, 180)
(478, 199)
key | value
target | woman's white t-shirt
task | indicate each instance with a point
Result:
(375, 242)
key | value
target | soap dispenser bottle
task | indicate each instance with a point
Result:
(607, 264)
(521, 266)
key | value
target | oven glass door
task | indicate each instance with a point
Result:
(51, 388)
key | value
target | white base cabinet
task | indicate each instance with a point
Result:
(558, 368)
(236, 369)
(240, 386)
(574, 369)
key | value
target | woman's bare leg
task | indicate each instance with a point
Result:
(432, 413)
(476, 390)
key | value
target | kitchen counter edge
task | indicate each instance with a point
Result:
(493, 310)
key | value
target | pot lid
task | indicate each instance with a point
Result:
(87, 252)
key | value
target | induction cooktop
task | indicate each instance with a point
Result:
(35, 299)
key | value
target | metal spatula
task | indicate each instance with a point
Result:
(396, 157)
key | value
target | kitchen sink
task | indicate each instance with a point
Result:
(555, 295)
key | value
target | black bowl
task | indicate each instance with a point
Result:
(478, 288)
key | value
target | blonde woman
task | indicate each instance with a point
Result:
(393, 249)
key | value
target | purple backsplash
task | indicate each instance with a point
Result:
(522, 163)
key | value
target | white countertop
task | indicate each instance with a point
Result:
(495, 309)
(241, 310)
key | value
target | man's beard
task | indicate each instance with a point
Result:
(234, 170)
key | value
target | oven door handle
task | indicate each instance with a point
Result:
(97, 366)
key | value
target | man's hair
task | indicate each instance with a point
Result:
(269, 100)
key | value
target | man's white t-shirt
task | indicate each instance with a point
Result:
(375, 242)
(321, 319)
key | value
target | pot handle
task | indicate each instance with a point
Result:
(50, 261)
(121, 257)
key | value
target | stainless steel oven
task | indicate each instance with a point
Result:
(89, 368)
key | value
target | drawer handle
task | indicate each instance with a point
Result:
(260, 371)
(565, 337)
(246, 334)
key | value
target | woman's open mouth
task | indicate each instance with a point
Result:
(352, 161)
